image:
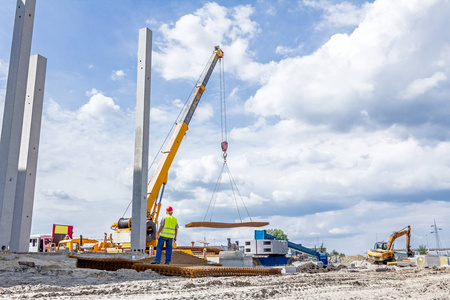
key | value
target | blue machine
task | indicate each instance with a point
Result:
(274, 260)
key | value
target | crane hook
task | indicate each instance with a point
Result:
(224, 145)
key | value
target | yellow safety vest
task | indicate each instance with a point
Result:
(170, 223)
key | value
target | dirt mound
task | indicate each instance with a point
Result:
(312, 268)
(350, 259)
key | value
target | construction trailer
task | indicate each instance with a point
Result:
(48, 242)
(269, 250)
(40, 243)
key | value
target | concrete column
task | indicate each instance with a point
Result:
(26, 177)
(140, 175)
(13, 114)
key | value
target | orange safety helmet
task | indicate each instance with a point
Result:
(169, 209)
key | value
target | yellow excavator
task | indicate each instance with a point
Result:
(383, 252)
(159, 179)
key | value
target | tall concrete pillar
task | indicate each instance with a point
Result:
(26, 177)
(140, 175)
(13, 114)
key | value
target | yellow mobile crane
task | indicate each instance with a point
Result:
(159, 178)
(383, 252)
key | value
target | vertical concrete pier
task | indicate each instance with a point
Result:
(140, 175)
(26, 177)
(13, 114)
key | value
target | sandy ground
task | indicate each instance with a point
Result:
(56, 277)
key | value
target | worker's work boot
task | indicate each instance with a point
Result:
(166, 263)
(155, 262)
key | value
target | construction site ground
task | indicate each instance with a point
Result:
(55, 276)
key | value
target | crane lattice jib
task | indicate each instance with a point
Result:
(406, 230)
(161, 173)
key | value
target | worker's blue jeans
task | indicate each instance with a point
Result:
(159, 248)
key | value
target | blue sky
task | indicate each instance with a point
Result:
(337, 114)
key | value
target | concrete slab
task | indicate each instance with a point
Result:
(235, 259)
(406, 264)
(428, 261)
(288, 269)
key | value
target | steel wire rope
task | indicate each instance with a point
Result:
(223, 131)
(215, 193)
(168, 133)
(242, 199)
(232, 189)
(223, 127)
(215, 198)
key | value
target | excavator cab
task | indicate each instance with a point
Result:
(380, 245)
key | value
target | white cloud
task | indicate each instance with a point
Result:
(99, 107)
(3, 77)
(195, 35)
(355, 228)
(282, 50)
(60, 194)
(308, 165)
(84, 160)
(326, 147)
(204, 169)
(340, 14)
(3, 69)
(152, 22)
(352, 230)
(118, 74)
(204, 112)
(363, 71)
(421, 86)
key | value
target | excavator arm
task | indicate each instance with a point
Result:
(159, 178)
(406, 230)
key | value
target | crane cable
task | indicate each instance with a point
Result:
(224, 145)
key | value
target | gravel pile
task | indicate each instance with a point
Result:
(312, 268)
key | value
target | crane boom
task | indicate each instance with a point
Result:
(159, 178)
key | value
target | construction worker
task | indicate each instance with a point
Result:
(167, 233)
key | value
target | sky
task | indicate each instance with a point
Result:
(337, 115)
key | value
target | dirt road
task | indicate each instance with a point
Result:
(52, 280)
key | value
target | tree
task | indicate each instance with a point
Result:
(422, 249)
(277, 233)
